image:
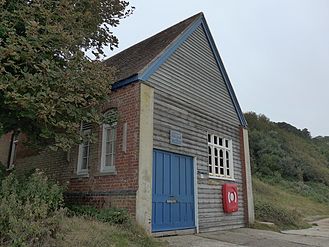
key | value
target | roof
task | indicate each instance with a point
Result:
(140, 61)
(134, 59)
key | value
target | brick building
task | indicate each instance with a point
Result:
(180, 139)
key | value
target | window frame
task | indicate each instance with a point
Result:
(225, 146)
(13, 151)
(103, 167)
(85, 130)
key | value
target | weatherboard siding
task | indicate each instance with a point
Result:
(190, 96)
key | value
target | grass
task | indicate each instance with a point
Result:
(285, 206)
(82, 232)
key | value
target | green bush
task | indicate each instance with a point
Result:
(30, 210)
(282, 217)
(111, 215)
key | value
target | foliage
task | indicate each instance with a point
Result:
(274, 200)
(290, 172)
(30, 210)
(110, 215)
(280, 216)
(47, 83)
(2, 172)
(281, 150)
(83, 232)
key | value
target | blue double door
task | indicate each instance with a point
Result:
(172, 192)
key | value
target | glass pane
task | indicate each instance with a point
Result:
(228, 172)
(209, 150)
(221, 171)
(215, 139)
(221, 162)
(113, 147)
(216, 152)
(216, 161)
(220, 141)
(108, 160)
(209, 160)
(108, 134)
(84, 163)
(85, 150)
(209, 138)
(216, 170)
(210, 169)
(226, 143)
(108, 149)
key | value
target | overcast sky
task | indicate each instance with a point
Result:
(276, 52)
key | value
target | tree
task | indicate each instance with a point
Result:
(48, 86)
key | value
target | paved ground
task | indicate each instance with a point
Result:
(315, 236)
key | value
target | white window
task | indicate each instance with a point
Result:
(84, 150)
(108, 148)
(220, 157)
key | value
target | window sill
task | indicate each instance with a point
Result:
(221, 178)
(108, 171)
(82, 174)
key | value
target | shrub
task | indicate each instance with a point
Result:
(111, 215)
(30, 210)
(282, 217)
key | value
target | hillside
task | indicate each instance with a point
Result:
(290, 172)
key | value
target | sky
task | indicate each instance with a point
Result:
(276, 52)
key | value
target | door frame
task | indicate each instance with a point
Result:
(195, 182)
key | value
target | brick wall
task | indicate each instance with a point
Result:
(102, 190)
(4, 148)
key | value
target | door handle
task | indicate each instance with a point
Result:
(171, 200)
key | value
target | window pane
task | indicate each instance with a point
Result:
(85, 150)
(108, 134)
(108, 161)
(220, 141)
(84, 164)
(210, 169)
(215, 139)
(209, 138)
(108, 148)
(221, 171)
(226, 143)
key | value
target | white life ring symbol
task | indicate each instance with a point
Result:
(231, 196)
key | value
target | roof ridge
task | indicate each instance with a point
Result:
(138, 57)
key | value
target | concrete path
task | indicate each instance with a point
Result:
(321, 229)
(316, 236)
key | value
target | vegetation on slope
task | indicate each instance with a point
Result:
(32, 213)
(290, 172)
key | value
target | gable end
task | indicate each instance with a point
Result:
(146, 72)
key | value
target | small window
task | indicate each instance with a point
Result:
(84, 149)
(108, 148)
(220, 158)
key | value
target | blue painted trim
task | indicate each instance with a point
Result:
(224, 73)
(170, 50)
(124, 82)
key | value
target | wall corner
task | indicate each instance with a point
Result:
(144, 192)
(248, 179)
